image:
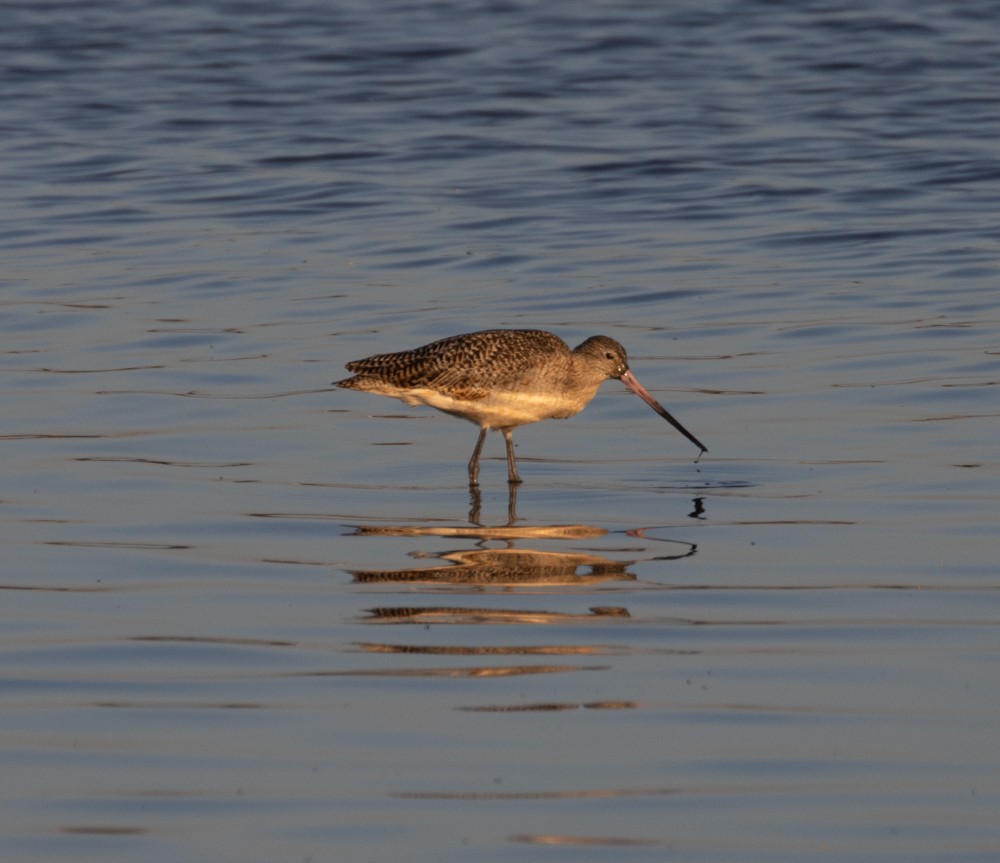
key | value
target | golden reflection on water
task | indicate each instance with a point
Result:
(469, 671)
(506, 531)
(515, 650)
(507, 566)
(507, 571)
(453, 614)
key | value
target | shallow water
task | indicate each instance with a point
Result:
(250, 617)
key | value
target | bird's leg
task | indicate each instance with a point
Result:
(474, 461)
(512, 474)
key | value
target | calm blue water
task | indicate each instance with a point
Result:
(247, 617)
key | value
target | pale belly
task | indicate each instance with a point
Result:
(497, 410)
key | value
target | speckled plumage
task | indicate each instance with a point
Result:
(500, 379)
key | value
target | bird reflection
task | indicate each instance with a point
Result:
(476, 506)
(507, 566)
(507, 570)
(504, 532)
(503, 568)
(476, 503)
(457, 614)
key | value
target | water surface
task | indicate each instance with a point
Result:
(250, 617)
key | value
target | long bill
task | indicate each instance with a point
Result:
(629, 380)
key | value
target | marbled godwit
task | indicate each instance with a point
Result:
(502, 379)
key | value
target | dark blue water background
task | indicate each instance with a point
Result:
(246, 617)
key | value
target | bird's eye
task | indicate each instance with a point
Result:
(609, 356)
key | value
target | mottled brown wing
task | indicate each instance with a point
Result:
(468, 366)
